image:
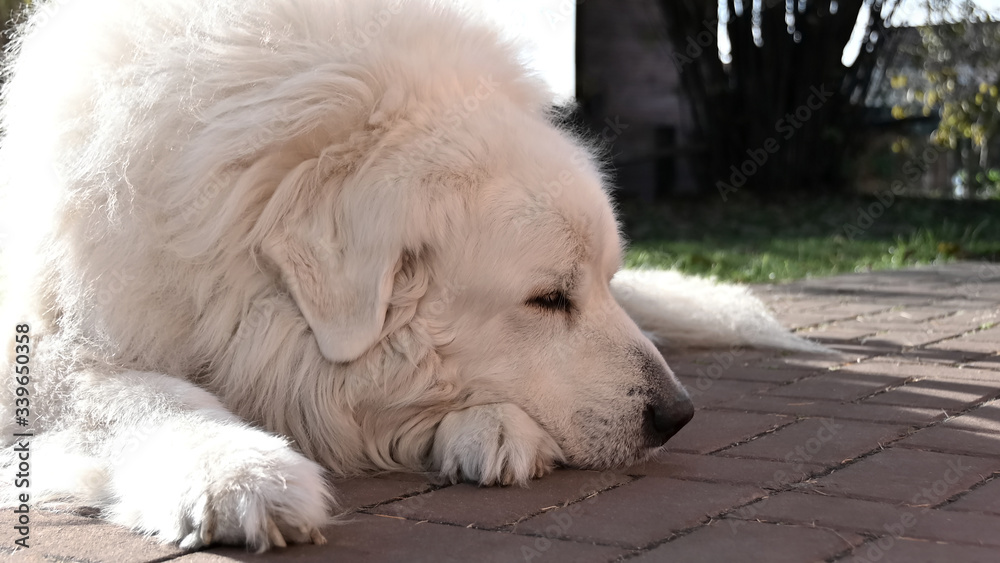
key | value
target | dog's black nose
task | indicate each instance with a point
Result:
(665, 418)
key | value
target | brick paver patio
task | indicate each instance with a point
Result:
(889, 454)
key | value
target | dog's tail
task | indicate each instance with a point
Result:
(679, 310)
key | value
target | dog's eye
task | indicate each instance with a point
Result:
(554, 301)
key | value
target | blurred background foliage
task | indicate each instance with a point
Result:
(959, 84)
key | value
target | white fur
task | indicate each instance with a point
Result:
(263, 237)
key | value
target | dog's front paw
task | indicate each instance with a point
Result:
(496, 444)
(245, 488)
(266, 501)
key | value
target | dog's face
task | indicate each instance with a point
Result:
(523, 287)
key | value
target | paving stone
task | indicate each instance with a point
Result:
(910, 315)
(494, 507)
(825, 441)
(858, 351)
(854, 309)
(753, 542)
(905, 338)
(904, 476)
(847, 411)
(365, 491)
(804, 320)
(854, 515)
(640, 513)
(817, 362)
(987, 335)
(838, 386)
(776, 375)
(837, 333)
(707, 393)
(944, 357)
(966, 345)
(713, 372)
(899, 325)
(741, 356)
(759, 472)
(969, 320)
(985, 498)
(951, 396)
(24, 556)
(906, 367)
(973, 301)
(954, 440)
(806, 309)
(60, 536)
(985, 418)
(718, 429)
(986, 363)
(377, 539)
(902, 550)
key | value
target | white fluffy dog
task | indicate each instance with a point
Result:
(266, 237)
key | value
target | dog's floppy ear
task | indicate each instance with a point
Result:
(338, 260)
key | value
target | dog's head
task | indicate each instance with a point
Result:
(492, 240)
(524, 290)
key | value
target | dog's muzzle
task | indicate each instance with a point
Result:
(668, 406)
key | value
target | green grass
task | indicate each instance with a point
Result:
(750, 241)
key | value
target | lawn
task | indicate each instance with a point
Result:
(752, 241)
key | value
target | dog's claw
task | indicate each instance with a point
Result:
(317, 537)
(274, 534)
(208, 523)
(542, 468)
(191, 541)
